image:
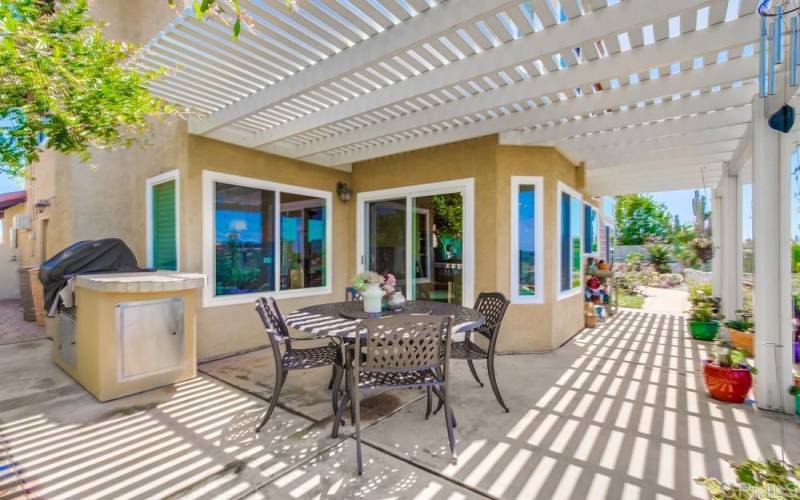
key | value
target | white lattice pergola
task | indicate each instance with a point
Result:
(633, 88)
(652, 95)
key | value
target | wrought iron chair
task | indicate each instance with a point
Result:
(292, 358)
(493, 306)
(401, 352)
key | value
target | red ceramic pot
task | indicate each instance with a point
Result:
(727, 384)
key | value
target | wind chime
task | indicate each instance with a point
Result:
(771, 55)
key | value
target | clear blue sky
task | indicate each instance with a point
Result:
(8, 184)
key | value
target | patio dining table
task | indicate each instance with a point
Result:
(339, 319)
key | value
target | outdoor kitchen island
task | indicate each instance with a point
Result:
(129, 332)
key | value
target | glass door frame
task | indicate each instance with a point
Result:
(465, 187)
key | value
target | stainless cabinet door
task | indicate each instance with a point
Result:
(150, 335)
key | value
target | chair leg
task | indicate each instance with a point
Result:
(274, 401)
(429, 403)
(493, 381)
(441, 405)
(337, 382)
(337, 419)
(449, 420)
(474, 373)
(333, 377)
(356, 403)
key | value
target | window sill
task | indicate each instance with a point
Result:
(569, 293)
(527, 299)
(244, 298)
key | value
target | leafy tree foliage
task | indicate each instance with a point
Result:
(64, 86)
(639, 218)
(229, 12)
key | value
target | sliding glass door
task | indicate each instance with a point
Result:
(386, 238)
(419, 235)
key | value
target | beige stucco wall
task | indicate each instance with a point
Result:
(528, 327)
(231, 328)
(548, 325)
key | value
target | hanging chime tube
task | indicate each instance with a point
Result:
(793, 59)
(779, 34)
(762, 59)
(772, 57)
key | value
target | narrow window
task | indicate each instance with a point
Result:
(590, 230)
(570, 244)
(526, 239)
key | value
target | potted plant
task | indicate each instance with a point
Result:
(740, 332)
(703, 324)
(756, 480)
(795, 391)
(729, 376)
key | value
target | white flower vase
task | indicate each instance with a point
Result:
(373, 296)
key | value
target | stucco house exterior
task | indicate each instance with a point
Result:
(191, 203)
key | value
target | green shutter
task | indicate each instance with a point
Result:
(164, 237)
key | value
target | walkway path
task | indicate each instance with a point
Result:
(666, 301)
(13, 328)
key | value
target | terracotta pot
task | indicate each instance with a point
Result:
(742, 340)
(703, 330)
(727, 384)
(590, 319)
(604, 266)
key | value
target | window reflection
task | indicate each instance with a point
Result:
(244, 223)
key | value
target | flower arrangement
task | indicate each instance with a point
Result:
(387, 282)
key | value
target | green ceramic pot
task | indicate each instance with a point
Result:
(703, 330)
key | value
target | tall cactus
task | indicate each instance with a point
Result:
(701, 223)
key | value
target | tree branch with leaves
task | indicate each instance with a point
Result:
(64, 86)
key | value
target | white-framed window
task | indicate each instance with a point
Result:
(527, 237)
(591, 230)
(264, 238)
(570, 242)
(162, 225)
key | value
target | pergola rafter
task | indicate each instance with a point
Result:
(343, 82)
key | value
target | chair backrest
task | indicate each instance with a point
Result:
(493, 306)
(406, 343)
(269, 320)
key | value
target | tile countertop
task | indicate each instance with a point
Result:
(144, 282)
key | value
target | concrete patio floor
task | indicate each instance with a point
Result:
(619, 412)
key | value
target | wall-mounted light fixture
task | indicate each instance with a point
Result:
(41, 205)
(344, 191)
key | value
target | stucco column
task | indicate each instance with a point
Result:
(717, 227)
(772, 277)
(731, 243)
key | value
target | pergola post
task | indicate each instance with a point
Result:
(730, 231)
(717, 225)
(772, 277)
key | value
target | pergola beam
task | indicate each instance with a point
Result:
(702, 104)
(632, 145)
(714, 39)
(600, 24)
(707, 77)
(698, 129)
(645, 154)
(397, 39)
